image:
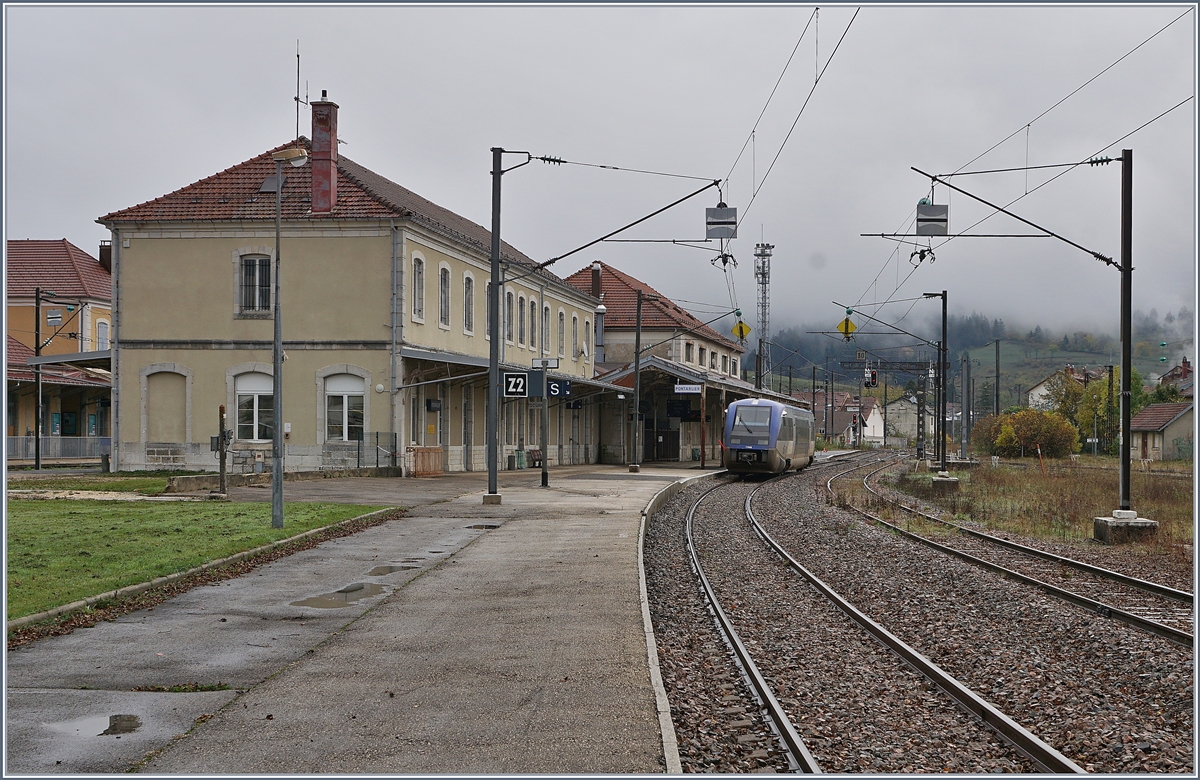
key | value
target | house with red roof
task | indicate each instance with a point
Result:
(689, 371)
(383, 308)
(1162, 432)
(58, 293)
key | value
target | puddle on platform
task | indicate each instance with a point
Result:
(98, 725)
(483, 527)
(380, 571)
(344, 597)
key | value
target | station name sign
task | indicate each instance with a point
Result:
(681, 388)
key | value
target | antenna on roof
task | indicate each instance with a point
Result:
(297, 98)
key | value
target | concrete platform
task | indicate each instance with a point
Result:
(463, 638)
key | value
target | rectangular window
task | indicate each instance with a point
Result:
(255, 418)
(703, 356)
(256, 283)
(532, 324)
(469, 305)
(418, 292)
(724, 364)
(733, 366)
(444, 297)
(343, 417)
(689, 352)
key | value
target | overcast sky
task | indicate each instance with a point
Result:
(106, 107)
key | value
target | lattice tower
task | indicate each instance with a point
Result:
(762, 275)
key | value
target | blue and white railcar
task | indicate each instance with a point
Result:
(767, 437)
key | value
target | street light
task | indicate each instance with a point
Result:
(942, 370)
(296, 157)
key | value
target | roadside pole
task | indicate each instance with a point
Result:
(221, 449)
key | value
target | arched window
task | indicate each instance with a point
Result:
(546, 330)
(562, 333)
(532, 323)
(574, 337)
(521, 320)
(344, 407)
(587, 337)
(444, 297)
(508, 317)
(255, 407)
(487, 317)
(418, 289)
(102, 335)
(468, 304)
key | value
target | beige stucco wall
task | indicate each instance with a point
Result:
(86, 317)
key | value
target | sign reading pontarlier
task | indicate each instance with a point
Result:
(682, 388)
(720, 222)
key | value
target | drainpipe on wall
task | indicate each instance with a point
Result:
(392, 352)
(114, 342)
(398, 260)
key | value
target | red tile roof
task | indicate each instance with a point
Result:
(1156, 417)
(53, 374)
(17, 353)
(620, 301)
(56, 265)
(233, 196)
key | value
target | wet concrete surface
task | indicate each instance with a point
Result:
(516, 644)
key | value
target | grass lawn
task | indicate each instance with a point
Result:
(1063, 503)
(149, 483)
(61, 551)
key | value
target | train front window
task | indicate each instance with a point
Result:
(751, 426)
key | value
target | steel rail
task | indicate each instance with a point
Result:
(1100, 608)
(798, 753)
(1043, 755)
(1124, 579)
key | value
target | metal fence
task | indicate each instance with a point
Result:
(60, 447)
(378, 448)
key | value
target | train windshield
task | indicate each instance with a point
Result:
(751, 425)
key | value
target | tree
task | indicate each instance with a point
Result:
(1023, 433)
(1065, 344)
(1165, 394)
(1064, 393)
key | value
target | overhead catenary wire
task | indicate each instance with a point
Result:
(750, 137)
(786, 138)
(893, 254)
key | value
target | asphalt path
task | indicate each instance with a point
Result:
(461, 638)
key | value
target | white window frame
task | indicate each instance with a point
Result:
(103, 342)
(574, 336)
(533, 317)
(418, 288)
(468, 304)
(445, 278)
(521, 320)
(256, 425)
(545, 328)
(509, 302)
(562, 332)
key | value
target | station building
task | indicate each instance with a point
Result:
(690, 373)
(384, 321)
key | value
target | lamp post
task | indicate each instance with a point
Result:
(942, 370)
(296, 157)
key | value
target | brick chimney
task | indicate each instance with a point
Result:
(324, 154)
(1187, 369)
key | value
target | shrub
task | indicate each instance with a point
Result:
(1022, 433)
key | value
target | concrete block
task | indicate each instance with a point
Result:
(491, 499)
(945, 484)
(1124, 529)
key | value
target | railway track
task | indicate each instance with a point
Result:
(1149, 606)
(867, 701)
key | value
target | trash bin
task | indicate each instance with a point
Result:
(695, 453)
(104, 463)
(512, 462)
